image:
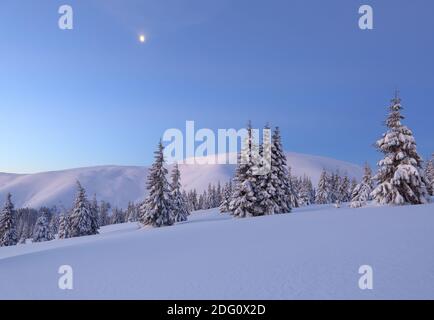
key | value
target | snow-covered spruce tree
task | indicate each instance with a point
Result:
(226, 197)
(104, 218)
(353, 185)
(244, 202)
(63, 226)
(94, 211)
(267, 196)
(322, 192)
(362, 192)
(294, 189)
(334, 180)
(400, 177)
(279, 173)
(131, 214)
(156, 209)
(429, 175)
(344, 187)
(179, 207)
(54, 223)
(81, 220)
(118, 216)
(42, 231)
(8, 235)
(305, 191)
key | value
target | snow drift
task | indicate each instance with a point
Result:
(313, 253)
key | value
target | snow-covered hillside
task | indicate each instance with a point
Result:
(314, 252)
(121, 184)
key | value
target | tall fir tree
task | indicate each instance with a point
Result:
(81, 220)
(54, 223)
(244, 202)
(226, 198)
(362, 192)
(103, 218)
(94, 210)
(294, 189)
(63, 225)
(42, 231)
(305, 191)
(8, 234)
(344, 189)
(131, 214)
(118, 216)
(400, 177)
(280, 175)
(267, 192)
(322, 192)
(180, 209)
(156, 209)
(429, 175)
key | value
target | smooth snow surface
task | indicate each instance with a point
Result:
(313, 253)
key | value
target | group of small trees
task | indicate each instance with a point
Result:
(82, 220)
(164, 205)
(208, 199)
(334, 188)
(45, 224)
(253, 194)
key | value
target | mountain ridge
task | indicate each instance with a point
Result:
(120, 184)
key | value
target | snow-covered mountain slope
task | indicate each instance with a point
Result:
(121, 184)
(313, 253)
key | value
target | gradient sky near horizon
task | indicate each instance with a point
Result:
(95, 95)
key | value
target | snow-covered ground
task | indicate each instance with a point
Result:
(313, 253)
(121, 184)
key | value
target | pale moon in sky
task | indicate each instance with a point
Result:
(142, 38)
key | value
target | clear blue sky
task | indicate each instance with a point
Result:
(95, 95)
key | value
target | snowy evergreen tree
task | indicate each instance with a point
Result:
(322, 192)
(305, 192)
(244, 198)
(104, 218)
(400, 177)
(118, 216)
(131, 214)
(226, 199)
(267, 195)
(8, 235)
(353, 185)
(334, 180)
(156, 209)
(294, 189)
(429, 175)
(362, 192)
(42, 231)
(280, 175)
(94, 210)
(179, 207)
(63, 226)
(54, 223)
(344, 189)
(81, 218)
